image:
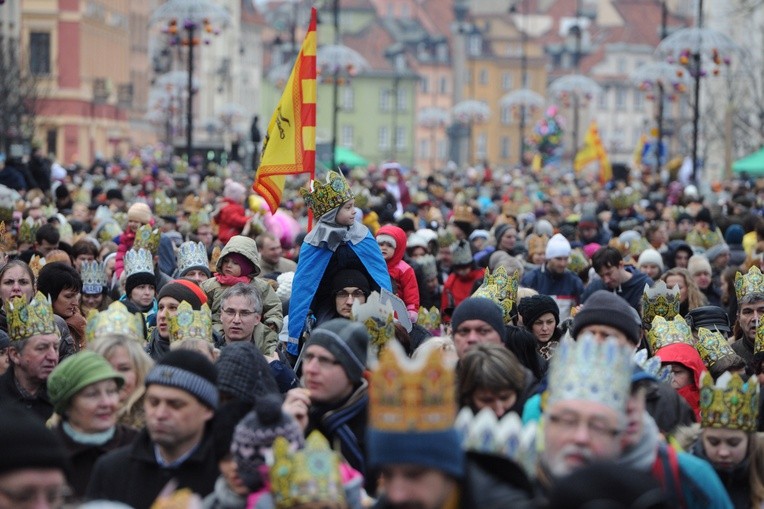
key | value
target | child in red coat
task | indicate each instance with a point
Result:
(232, 217)
(458, 285)
(392, 243)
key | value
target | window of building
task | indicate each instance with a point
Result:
(348, 98)
(442, 151)
(424, 85)
(621, 65)
(483, 76)
(506, 115)
(481, 146)
(347, 136)
(443, 85)
(385, 99)
(506, 81)
(424, 148)
(620, 98)
(39, 53)
(475, 45)
(505, 147)
(639, 100)
(400, 138)
(602, 99)
(383, 138)
(402, 103)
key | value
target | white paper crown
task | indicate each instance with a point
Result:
(93, 277)
(139, 261)
(378, 318)
(590, 370)
(192, 254)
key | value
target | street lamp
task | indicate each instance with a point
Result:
(525, 100)
(579, 88)
(189, 23)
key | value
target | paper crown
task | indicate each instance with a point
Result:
(138, 261)
(652, 365)
(214, 257)
(93, 277)
(577, 261)
(310, 475)
(213, 183)
(446, 238)
(199, 218)
(667, 332)
(164, 205)
(192, 203)
(536, 243)
(758, 345)
(192, 254)
(506, 437)
(712, 346)
(146, 238)
(326, 197)
(751, 282)
(501, 288)
(7, 242)
(190, 324)
(378, 318)
(659, 301)
(27, 319)
(116, 319)
(730, 403)
(35, 264)
(429, 319)
(624, 198)
(464, 213)
(28, 231)
(108, 231)
(590, 370)
(408, 395)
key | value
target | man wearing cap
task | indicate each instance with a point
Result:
(348, 286)
(171, 295)
(554, 279)
(32, 464)
(626, 282)
(176, 445)
(475, 321)
(334, 396)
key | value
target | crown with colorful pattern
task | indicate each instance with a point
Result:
(146, 238)
(199, 218)
(590, 370)
(116, 319)
(190, 324)
(501, 288)
(93, 277)
(625, 198)
(446, 238)
(652, 365)
(378, 318)
(464, 213)
(28, 231)
(108, 231)
(411, 395)
(27, 319)
(659, 301)
(138, 261)
(667, 332)
(577, 261)
(329, 196)
(213, 183)
(730, 403)
(164, 205)
(7, 242)
(751, 282)
(36, 263)
(712, 346)
(429, 318)
(192, 254)
(307, 476)
(758, 344)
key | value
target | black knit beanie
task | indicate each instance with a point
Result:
(531, 308)
(25, 442)
(350, 278)
(139, 278)
(479, 308)
(189, 371)
(606, 308)
(347, 341)
(243, 372)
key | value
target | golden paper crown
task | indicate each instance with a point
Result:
(577, 261)
(214, 257)
(378, 318)
(659, 301)
(624, 198)
(28, 231)
(192, 254)
(667, 332)
(199, 218)
(7, 242)
(501, 288)
(146, 238)
(536, 243)
(326, 197)
(706, 239)
(712, 346)
(116, 319)
(190, 324)
(192, 203)
(213, 183)
(751, 282)
(464, 213)
(429, 319)
(36, 263)
(30, 319)
(446, 238)
(411, 395)
(758, 345)
(310, 475)
(138, 261)
(109, 230)
(164, 205)
(93, 277)
(730, 403)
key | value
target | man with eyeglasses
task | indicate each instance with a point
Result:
(348, 286)
(241, 310)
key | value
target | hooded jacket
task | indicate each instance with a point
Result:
(687, 356)
(231, 220)
(401, 273)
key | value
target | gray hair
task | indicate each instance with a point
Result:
(249, 292)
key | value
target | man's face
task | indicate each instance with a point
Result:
(46, 247)
(557, 265)
(38, 358)
(204, 233)
(577, 433)
(749, 316)
(343, 300)
(167, 308)
(611, 275)
(41, 488)
(271, 251)
(238, 318)
(721, 261)
(473, 332)
(323, 376)
(602, 332)
(409, 486)
(681, 259)
(174, 418)
(196, 275)
(86, 257)
(635, 412)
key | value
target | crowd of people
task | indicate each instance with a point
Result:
(469, 339)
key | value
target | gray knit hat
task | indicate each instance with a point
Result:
(188, 371)
(243, 372)
(347, 341)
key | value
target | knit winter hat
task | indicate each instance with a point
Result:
(243, 372)
(606, 308)
(139, 278)
(734, 234)
(284, 291)
(75, 373)
(479, 308)
(697, 264)
(347, 341)
(184, 290)
(256, 432)
(715, 251)
(543, 227)
(188, 371)
(650, 257)
(139, 212)
(246, 265)
(26, 442)
(531, 308)
(558, 246)
(350, 278)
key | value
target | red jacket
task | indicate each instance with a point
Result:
(456, 289)
(231, 220)
(401, 273)
(687, 356)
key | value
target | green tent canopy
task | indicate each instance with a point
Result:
(752, 164)
(341, 155)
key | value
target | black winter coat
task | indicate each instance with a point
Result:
(40, 405)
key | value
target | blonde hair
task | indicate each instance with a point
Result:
(695, 298)
(197, 345)
(142, 363)
(444, 343)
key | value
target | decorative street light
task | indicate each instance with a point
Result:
(579, 88)
(189, 23)
(433, 118)
(468, 113)
(524, 100)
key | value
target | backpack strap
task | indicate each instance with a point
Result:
(666, 471)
